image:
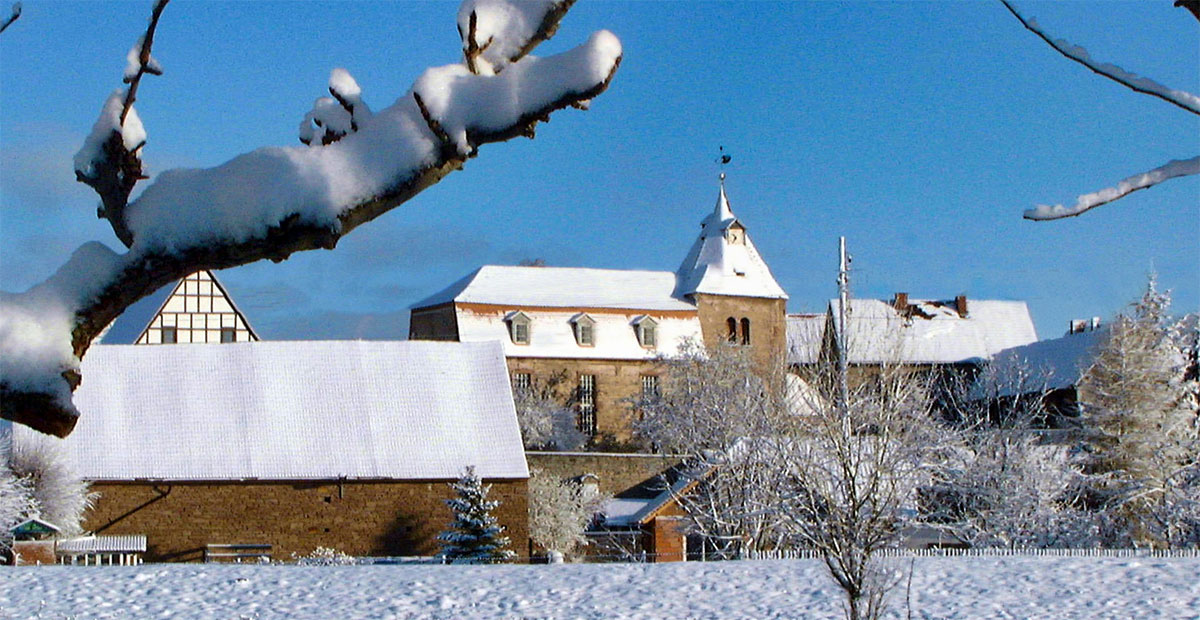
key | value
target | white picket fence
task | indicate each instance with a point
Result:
(797, 554)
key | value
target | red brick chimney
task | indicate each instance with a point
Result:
(900, 302)
(960, 304)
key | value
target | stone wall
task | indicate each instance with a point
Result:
(616, 472)
(617, 382)
(382, 518)
(768, 324)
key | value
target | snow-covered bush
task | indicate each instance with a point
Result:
(325, 556)
(560, 511)
(474, 536)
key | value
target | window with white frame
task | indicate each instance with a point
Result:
(646, 329)
(585, 330)
(586, 398)
(519, 327)
(650, 387)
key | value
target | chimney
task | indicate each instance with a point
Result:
(1095, 323)
(900, 302)
(960, 304)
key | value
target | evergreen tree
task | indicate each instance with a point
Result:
(1138, 404)
(474, 537)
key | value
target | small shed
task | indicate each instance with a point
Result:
(101, 550)
(33, 542)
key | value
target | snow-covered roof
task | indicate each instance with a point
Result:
(1047, 364)
(132, 543)
(559, 287)
(805, 333)
(552, 332)
(294, 410)
(933, 332)
(718, 266)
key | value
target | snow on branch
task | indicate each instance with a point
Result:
(1180, 98)
(1086, 202)
(110, 160)
(275, 201)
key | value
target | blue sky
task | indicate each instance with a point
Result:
(918, 130)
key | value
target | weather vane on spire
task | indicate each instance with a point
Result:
(723, 159)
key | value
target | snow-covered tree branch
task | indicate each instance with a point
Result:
(1181, 99)
(1175, 168)
(275, 201)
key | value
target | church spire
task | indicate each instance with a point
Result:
(723, 260)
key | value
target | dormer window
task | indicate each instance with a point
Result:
(646, 329)
(518, 327)
(585, 330)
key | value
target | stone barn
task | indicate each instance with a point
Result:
(295, 445)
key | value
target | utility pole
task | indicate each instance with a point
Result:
(843, 326)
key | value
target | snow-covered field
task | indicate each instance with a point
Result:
(963, 587)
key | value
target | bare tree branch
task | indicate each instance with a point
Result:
(16, 12)
(143, 59)
(1181, 99)
(1175, 168)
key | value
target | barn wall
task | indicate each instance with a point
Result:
(381, 518)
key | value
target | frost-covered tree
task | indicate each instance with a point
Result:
(718, 411)
(858, 462)
(355, 164)
(1138, 405)
(1181, 99)
(474, 536)
(37, 480)
(546, 423)
(560, 511)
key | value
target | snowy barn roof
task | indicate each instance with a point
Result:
(805, 333)
(723, 260)
(562, 287)
(1047, 364)
(933, 332)
(294, 410)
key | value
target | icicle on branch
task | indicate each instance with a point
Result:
(1176, 168)
(1179, 98)
(275, 201)
(16, 12)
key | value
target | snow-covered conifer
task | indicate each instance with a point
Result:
(1139, 411)
(474, 536)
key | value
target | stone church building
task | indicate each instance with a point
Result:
(594, 334)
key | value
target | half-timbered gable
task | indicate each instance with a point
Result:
(196, 309)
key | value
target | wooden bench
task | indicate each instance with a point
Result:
(237, 553)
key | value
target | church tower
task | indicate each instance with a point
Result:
(736, 297)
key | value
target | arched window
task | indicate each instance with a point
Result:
(745, 330)
(732, 324)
